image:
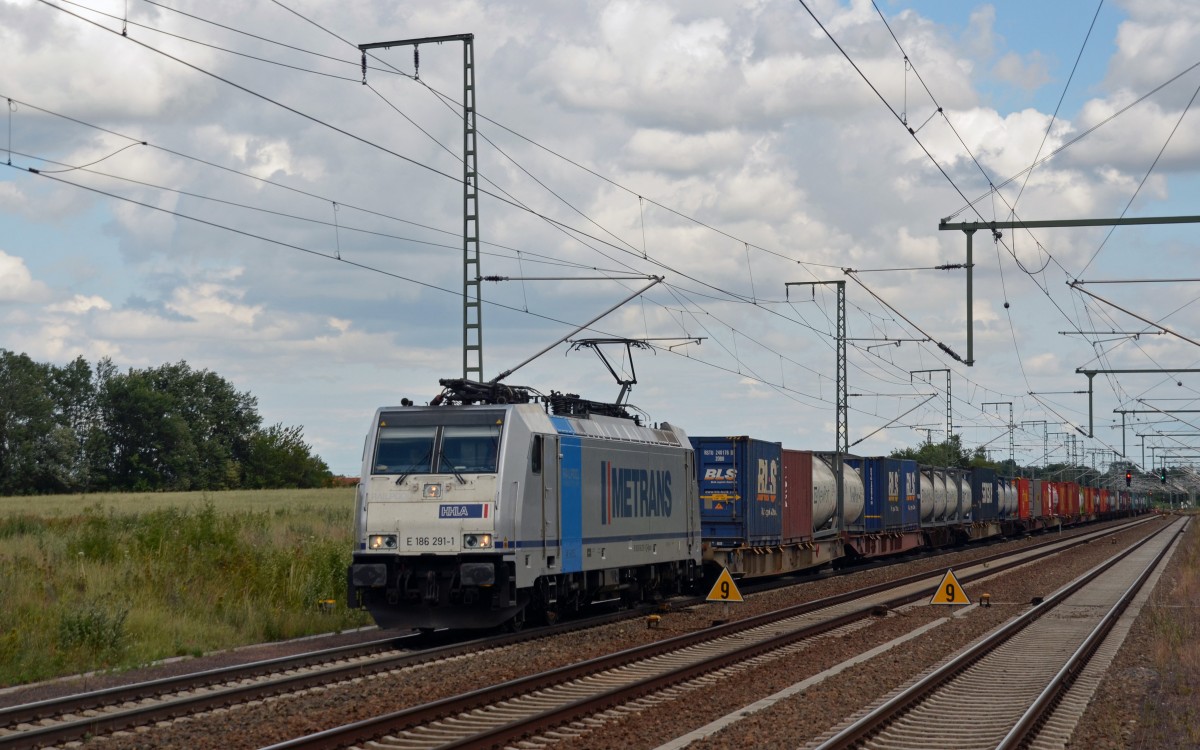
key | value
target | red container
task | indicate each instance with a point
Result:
(1023, 490)
(1089, 501)
(1104, 502)
(1068, 499)
(797, 496)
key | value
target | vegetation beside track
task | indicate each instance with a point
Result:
(115, 581)
(1171, 709)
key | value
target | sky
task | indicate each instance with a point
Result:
(215, 182)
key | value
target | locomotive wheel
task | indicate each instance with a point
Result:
(517, 623)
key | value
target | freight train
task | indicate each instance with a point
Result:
(495, 505)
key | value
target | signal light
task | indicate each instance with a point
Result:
(1128, 478)
(1162, 475)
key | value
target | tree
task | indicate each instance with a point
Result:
(173, 428)
(948, 453)
(279, 457)
(38, 450)
(73, 389)
(72, 428)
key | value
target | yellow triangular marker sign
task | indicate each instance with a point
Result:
(724, 590)
(949, 591)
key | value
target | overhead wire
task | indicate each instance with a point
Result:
(214, 46)
(903, 119)
(736, 296)
(752, 301)
(1142, 184)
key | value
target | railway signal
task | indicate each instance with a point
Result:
(1128, 478)
(1162, 475)
(724, 590)
(949, 591)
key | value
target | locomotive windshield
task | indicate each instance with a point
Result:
(469, 449)
(438, 442)
(407, 450)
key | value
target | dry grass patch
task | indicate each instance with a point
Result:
(109, 582)
(1171, 712)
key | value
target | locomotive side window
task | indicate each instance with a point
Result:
(470, 450)
(535, 455)
(404, 450)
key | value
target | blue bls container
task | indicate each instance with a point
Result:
(907, 478)
(891, 497)
(984, 498)
(740, 485)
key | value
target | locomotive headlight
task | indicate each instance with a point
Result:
(381, 541)
(477, 541)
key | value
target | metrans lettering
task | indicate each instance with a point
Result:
(633, 493)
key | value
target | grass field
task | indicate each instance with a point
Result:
(118, 580)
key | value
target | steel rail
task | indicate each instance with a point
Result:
(30, 712)
(373, 728)
(222, 697)
(1041, 708)
(874, 720)
(225, 696)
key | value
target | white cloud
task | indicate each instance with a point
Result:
(17, 283)
(213, 304)
(80, 304)
(673, 152)
(741, 115)
(1028, 73)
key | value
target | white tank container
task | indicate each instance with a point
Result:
(964, 481)
(941, 496)
(825, 493)
(928, 496)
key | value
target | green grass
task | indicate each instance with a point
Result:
(114, 581)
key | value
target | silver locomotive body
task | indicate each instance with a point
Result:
(472, 516)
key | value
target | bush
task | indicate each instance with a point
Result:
(96, 629)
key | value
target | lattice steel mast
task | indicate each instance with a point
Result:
(472, 273)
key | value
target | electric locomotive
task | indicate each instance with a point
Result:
(495, 505)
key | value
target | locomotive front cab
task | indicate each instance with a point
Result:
(427, 553)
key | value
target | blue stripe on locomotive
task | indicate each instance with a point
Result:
(572, 505)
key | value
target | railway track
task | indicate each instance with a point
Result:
(59, 721)
(1001, 692)
(547, 704)
(73, 717)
